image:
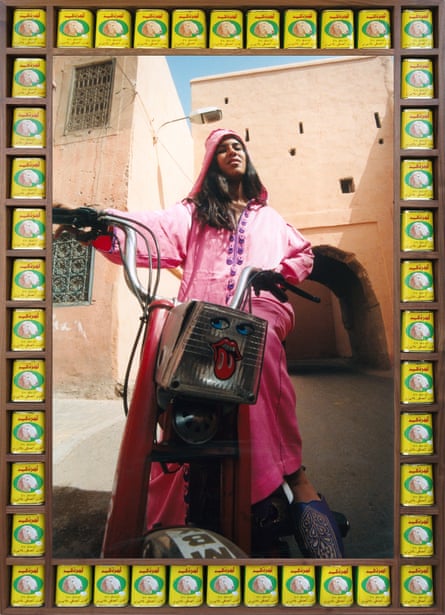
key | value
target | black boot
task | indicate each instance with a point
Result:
(316, 530)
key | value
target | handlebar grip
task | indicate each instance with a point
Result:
(80, 217)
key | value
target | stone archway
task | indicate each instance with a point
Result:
(342, 273)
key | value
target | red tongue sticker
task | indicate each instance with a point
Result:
(225, 355)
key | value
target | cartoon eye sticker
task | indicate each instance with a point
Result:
(220, 323)
(245, 328)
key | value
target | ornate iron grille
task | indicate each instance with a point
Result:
(91, 95)
(72, 274)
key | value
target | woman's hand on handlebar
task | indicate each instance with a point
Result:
(84, 223)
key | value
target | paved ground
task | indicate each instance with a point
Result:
(346, 420)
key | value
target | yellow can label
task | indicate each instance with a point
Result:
(417, 131)
(113, 28)
(417, 282)
(226, 29)
(148, 585)
(337, 29)
(417, 486)
(28, 229)
(29, 78)
(373, 585)
(28, 279)
(189, 29)
(28, 178)
(417, 230)
(223, 585)
(416, 437)
(28, 127)
(261, 585)
(29, 28)
(27, 585)
(28, 432)
(417, 383)
(28, 329)
(416, 585)
(73, 585)
(417, 29)
(75, 28)
(336, 586)
(300, 29)
(111, 585)
(28, 380)
(151, 28)
(417, 179)
(417, 331)
(298, 585)
(186, 585)
(27, 483)
(263, 29)
(417, 78)
(28, 535)
(416, 536)
(374, 29)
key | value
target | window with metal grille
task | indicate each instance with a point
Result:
(91, 94)
(72, 274)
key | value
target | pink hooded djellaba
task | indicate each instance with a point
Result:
(211, 260)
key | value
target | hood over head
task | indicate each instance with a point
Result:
(211, 143)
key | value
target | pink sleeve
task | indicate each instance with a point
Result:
(298, 259)
(171, 228)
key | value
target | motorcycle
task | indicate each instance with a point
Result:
(187, 423)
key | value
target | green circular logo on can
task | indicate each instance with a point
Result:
(187, 584)
(111, 584)
(113, 28)
(376, 28)
(300, 584)
(418, 535)
(338, 28)
(28, 534)
(29, 27)
(29, 178)
(420, 331)
(226, 28)
(419, 484)
(264, 28)
(375, 584)
(302, 28)
(28, 584)
(419, 78)
(73, 584)
(418, 584)
(338, 585)
(29, 77)
(189, 28)
(224, 584)
(419, 129)
(420, 28)
(149, 584)
(28, 483)
(74, 28)
(152, 28)
(263, 584)
(29, 279)
(28, 432)
(419, 382)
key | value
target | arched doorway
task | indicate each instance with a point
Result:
(347, 323)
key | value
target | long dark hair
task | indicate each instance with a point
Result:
(213, 200)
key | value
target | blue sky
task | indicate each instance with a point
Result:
(185, 68)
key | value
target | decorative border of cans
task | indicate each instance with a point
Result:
(153, 585)
(225, 28)
(338, 585)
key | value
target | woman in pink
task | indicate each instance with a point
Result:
(224, 224)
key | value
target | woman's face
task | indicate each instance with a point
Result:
(231, 158)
